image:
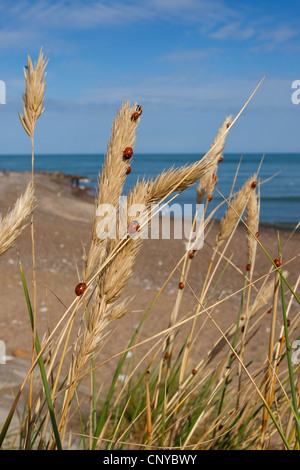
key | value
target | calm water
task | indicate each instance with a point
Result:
(280, 197)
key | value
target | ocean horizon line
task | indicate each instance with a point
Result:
(41, 154)
(280, 195)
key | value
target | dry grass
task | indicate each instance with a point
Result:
(222, 403)
(111, 180)
(235, 210)
(209, 180)
(33, 98)
(13, 224)
(252, 222)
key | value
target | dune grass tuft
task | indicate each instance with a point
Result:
(230, 397)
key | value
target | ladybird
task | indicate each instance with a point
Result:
(210, 198)
(253, 185)
(80, 288)
(181, 285)
(248, 267)
(191, 255)
(128, 171)
(194, 372)
(166, 356)
(220, 159)
(257, 234)
(277, 262)
(288, 322)
(139, 109)
(127, 153)
(228, 124)
(133, 226)
(135, 116)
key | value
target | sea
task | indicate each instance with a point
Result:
(279, 177)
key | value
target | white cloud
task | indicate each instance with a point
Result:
(191, 54)
(26, 23)
(76, 14)
(279, 36)
(169, 93)
(82, 15)
(203, 12)
(15, 38)
(233, 31)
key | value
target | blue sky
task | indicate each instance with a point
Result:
(189, 63)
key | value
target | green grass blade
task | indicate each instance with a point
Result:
(114, 381)
(289, 361)
(41, 365)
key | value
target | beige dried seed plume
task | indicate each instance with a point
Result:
(113, 278)
(111, 180)
(207, 182)
(177, 180)
(172, 180)
(252, 223)
(264, 296)
(115, 275)
(235, 211)
(93, 337)
(33, 98)
(12, 225)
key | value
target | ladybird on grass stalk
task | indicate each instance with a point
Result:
(139, 109)
(127, 153)
(80, 288)
(214, 178)
(277, 262)
(133, 226)
(137, 113)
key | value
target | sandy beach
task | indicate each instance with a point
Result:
(63, 230)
